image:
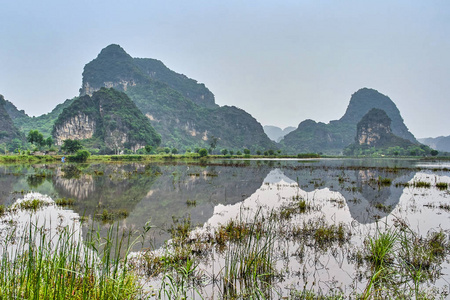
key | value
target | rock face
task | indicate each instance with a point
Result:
(109, 118)
(374, 127)
(182, 110)
(333, 137)
(8, 131)
(374, 134)
(78, 127)
(365, 99)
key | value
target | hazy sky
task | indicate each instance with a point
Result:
(281, 61)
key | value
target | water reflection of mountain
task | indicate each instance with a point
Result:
(367, 200)
(205, 186)
(158, 192)
(7, 182)
(105, 186)
(17, 179)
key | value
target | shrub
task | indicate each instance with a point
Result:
(203, 152)
(80, 156)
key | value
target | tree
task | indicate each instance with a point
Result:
(434, 152)
(148, 148)
(35, 137)
(203, 152)
(213, 143)
(71, 146)
(258, 152)
(174, 151)
(224, 151)
(49, 141)
(247, 151)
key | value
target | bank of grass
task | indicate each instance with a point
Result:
(64, 267)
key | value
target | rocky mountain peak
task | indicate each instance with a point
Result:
(374, 127)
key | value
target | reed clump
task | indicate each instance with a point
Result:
(38, 265)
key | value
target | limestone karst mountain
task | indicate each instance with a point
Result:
(182, 110)
(108, 119)
(332, 138)
(374, 134)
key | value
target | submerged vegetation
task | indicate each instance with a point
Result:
(333, 233)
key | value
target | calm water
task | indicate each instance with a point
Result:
(342, 190)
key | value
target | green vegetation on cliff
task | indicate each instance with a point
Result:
(9, 134)
(115, 120)
(180, 109)
(43, 123)
(374, 137)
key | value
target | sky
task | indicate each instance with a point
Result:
(281, 61)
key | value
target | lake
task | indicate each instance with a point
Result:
(301, 201)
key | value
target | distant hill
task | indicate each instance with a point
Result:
(441, 143)
(180, 109)
(276, 133)
(8, 131)
(374, 135)
(43, 123)
(108, 119)
(333, 137)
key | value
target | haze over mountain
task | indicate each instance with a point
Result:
(180, 109)
(276, 133)
(333, 137)
(440, 143)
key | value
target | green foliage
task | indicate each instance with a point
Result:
(203, 152)
(119, 118)
(148, 148)
(36, 138)
(80, 156)
(246, 151)
(71, 146)
(224, 151)
(43, 123)
(308, 155)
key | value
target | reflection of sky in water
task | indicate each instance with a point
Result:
(327, 269)
(49, 218)
(222, 192)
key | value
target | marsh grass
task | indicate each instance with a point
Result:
(65, 201)
(442, 186)
(33, 204)
(401, 261)
(39, 265)
(382, 181)
(110, 216)
(318, 233)
(250, 260)
(421, 184)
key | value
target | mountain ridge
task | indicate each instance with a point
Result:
(333, 137)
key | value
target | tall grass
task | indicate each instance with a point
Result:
(40, 266)
(250, 261)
